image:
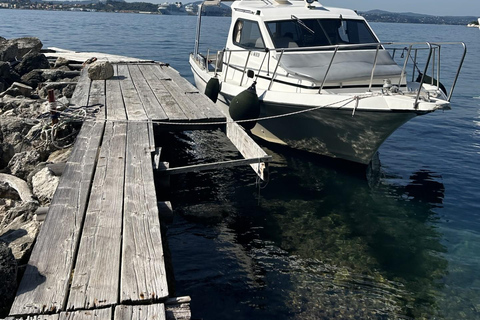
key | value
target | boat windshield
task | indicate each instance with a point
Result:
(319, 32)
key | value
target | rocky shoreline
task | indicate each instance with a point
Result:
(33, 148)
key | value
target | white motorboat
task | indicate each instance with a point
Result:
(324, 81)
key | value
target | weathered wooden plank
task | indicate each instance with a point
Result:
(97, 97)
(178, 308)
(133, 105)
(214, 165)
(115, 106)
(96, 275)
(150, 103)
(36, 317)
(143, 275)
(44, 285)
(247, 147)
(168, 103)
(145, 312)
(189, 108)
(82, 89)
(97, 314)
(192, 93)
(151, 136)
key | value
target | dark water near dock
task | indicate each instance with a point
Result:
(321, 240)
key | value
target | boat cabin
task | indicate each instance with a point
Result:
(303, 39)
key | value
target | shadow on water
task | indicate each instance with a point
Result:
(321, 241)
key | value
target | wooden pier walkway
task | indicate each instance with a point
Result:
(99, 253)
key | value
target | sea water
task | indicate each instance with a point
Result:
(321, 240)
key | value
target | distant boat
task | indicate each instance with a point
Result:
(474, 24)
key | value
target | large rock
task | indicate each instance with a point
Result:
(60, 62)
(8, 51)
(33, 78)
(32, 60)
(8, 278)
(44, 184)
(27, 44)
(21, 232)
(7, 75)
(100, 70)
(13, 133)
(23, 162)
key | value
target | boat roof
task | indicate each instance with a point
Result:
(284, 9)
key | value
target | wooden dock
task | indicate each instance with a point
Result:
(99, 253)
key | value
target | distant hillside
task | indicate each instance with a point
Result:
(409, 17)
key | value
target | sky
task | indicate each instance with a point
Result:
(431, 7)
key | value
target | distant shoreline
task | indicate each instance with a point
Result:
(371, 16)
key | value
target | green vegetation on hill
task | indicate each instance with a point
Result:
(408, 17)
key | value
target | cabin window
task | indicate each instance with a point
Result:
(319, 32)
(247, 34)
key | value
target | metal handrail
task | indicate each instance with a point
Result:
(433, 48)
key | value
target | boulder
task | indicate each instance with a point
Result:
(60, 62)
(100, 70)
(27, 44)
(8, 51)
(8, 278)
(21, 232)
(44, 184)
(23, 162)
(59, 156)
(32, 60)
(33, 78)
(13, 132)
(4, 69)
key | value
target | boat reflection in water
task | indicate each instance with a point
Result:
(320, 242)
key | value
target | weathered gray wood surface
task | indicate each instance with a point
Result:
(97, 97)
(200, 100)
(96, 276)
(145, 312)
(151, 105)
(115, 107)
(45, 283)
(167, 101)
(133, 105)
(98, 314)
(143, 275)
(80, 95)
(36, 317)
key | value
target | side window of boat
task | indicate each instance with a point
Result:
(247, 34)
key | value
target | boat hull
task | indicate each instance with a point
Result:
(332, 132)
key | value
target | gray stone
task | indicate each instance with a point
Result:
(59, 156)
(8, 51)
(61, 61)
(20, 186)
(100, 70)
(21, 232)
(23, 162)
(33, 78)
(8, 278)
(12, 133)
(44, 184)
(27, 44)
(32, 60)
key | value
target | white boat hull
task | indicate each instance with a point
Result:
(333, 132)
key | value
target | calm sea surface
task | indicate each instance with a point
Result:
(320, 241)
